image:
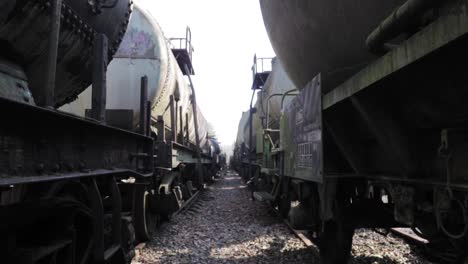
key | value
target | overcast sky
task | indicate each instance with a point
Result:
(226, 35)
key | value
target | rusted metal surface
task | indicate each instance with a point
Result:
(23, 27)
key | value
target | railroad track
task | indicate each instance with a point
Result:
(408, 235)
(186, 205)
(300, 234)
(404, 233)
(194, 204)
(432, 252)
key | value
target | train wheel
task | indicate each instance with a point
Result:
(284, 205)
(145, 221)
(336, 239)
(284, 198)
(335, 242)
(49, 253)
(78, 227)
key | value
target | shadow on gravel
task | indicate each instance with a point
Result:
(266, 256)
(372, 260)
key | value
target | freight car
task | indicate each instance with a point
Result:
(376, 137)
(85, 173)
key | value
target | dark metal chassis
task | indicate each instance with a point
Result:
(42, 150)
(398, 128)
(38, 144)
(75, 190)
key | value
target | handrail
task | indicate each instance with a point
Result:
(188, 42)
(255, 67)
(188, 35)
(288, 93)
(268, 108)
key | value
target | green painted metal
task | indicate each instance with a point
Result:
(287, 146)
(301, 134)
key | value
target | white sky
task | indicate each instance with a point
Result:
(226, 35)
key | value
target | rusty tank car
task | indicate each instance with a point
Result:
(376, 137)
(86, 173)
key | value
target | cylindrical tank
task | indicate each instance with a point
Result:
(145, 51)
(244, 121)
(24, 27)
(323, 36)
(256, 123)
(278, 82)
(202, 123)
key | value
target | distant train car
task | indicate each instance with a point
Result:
(277, 91)
(376, 135)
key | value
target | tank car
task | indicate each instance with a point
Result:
(313, 36)
(145, 51)
(277, 91)
(239, 152)
(84, 183)
(381, 146)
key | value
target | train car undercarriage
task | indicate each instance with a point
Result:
(387, 148)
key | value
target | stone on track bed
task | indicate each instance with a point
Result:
(226, 226)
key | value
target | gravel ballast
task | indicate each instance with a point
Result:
(226, 226)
